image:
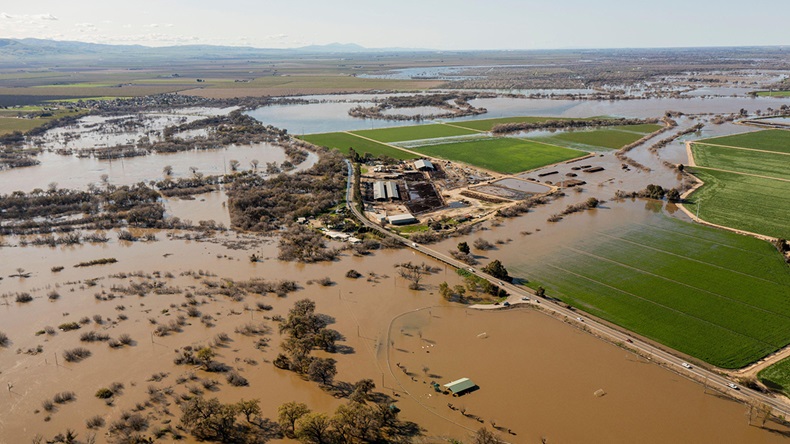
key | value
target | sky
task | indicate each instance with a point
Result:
(429, 24)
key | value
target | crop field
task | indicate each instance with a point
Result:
(342, 142)
(736, 199)
(777, 376)
(11, 124)
(415, 132)
(749, 162)
(502, 154)
(769, 140)
(774, 93)
(721, 297)
(488, 124)
(594, 140)
(747, 203)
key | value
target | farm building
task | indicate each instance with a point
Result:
(424, 165)
(379, 191)
(392, 190)
(385, 190)
(402, 219)
(460, 386)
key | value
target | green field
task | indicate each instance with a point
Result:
(774, 93)
(488, 124)
(769, 140)
(777, 376)
(709, 293)
(742, 161)
(502, 154)
(594, 140)
(414, 132)
(747, 203)
(9, 124)
(342, 141)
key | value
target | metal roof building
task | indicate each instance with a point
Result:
(460, 385)
(392, 190)
(401, 219)
(379, 191)
(423, 164)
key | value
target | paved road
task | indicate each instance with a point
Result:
(517, 293)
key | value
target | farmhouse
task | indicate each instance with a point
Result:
(460, 386)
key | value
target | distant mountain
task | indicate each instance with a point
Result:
(27, 52)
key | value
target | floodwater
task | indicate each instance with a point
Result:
(206, 206)
(320, 117)
(538, 378)
(75, 172)
(536, 375)
(332, 115)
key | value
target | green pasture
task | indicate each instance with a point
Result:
(414, 132)
(489, 124)
(597, 139)
(777, 376)
(503, 154)
(342, 142)
(773, 93)
(769, 140)
(712, 294)
(773, 165)
(747, 203)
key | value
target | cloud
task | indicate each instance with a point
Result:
(28, 18)
(277, 37)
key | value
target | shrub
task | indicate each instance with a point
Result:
(125, 339)
(76, 354)
(47, 405)
(23, 297)
(104, 393)
(3, 339)
(92, 336)
(57, 269)
(53, 295)
(64, 397)
(94, 422)
(68, 326)
(353, 274)
(236, 379)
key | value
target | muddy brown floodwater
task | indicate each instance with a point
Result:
(536, 375)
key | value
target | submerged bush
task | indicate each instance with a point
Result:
(76, 354)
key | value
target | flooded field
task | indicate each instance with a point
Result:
(527, 367)
(526, 364)
(333, 116)
(537, 376)
(78, 172)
